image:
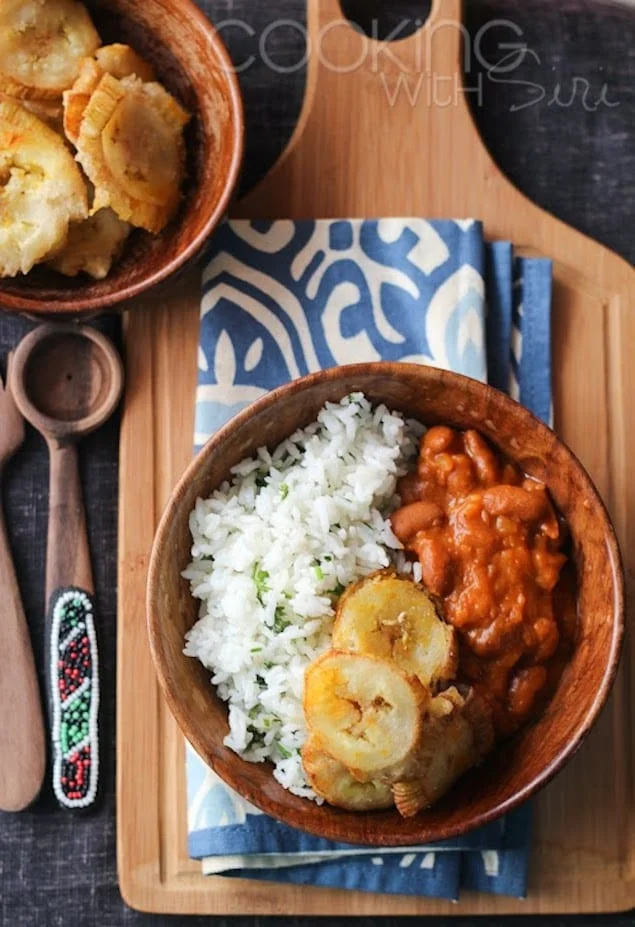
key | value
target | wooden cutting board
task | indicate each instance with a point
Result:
(355, 153)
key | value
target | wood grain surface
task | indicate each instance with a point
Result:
(424, 160)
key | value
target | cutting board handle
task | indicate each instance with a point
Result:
(397, 103)
(337, 38)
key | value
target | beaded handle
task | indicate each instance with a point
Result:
(74, 688)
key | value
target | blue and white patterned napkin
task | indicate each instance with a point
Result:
(281, 299)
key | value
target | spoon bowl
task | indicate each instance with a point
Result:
(67, 380)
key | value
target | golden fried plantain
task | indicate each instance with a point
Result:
(92, 246)
(131, 147)
(457, 732)
(76, 99)
(41, 45)
(392, 617)
(48, 111)
(41, 190)
(123, 61)
(335, 783)
(365, 710)
(117, 60)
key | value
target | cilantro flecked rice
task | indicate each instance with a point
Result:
(272, 552)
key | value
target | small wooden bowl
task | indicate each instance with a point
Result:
(191, 61)
(518, 767)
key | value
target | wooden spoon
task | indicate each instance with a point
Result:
(67, 380)
(22, 742)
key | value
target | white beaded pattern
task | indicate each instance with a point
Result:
(74, 595)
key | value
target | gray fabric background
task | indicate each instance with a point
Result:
(577, 161)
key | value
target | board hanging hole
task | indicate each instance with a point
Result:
(386, 20)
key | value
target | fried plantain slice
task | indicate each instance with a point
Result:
(457, 732)
(41, 45)
(336, 784)
(92, 246)
(41, 190)
(131, 147)
(76, 99)
(122, 61)
(117, 60)
(48, 111)
(392, 617)
(143, 142)
(365, 710)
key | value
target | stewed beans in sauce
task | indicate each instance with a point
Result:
(490, 546)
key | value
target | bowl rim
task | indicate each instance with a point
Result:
(178, 705)
(76, 307)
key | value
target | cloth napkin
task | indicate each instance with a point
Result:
(281, 299)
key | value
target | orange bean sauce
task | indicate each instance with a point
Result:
(490, 545)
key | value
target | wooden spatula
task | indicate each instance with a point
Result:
(22, 744)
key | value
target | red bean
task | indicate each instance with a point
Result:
(438, 438)
(483, 456)
(436, 564)
(418, 516)
(514, 502)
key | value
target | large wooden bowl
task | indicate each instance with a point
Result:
(517, 768)
(191, 61)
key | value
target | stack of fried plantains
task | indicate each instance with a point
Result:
(60, 87)
(385, 725)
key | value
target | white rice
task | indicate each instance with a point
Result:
(273, 550)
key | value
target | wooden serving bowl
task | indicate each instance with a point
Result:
(193, 64)
(518, 767)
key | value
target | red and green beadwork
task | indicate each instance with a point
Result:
(75, 698)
